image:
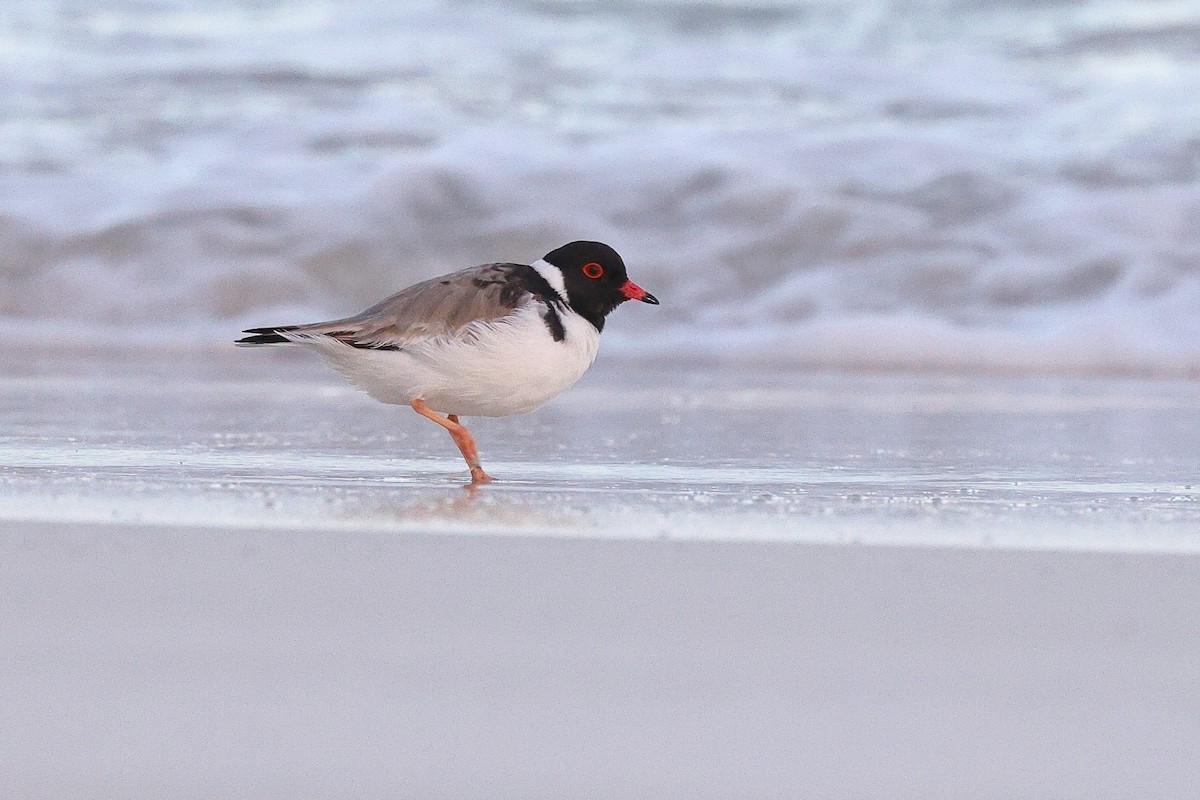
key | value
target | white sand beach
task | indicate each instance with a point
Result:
(163, 662)
(225, 575)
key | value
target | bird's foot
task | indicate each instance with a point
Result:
(478, 478)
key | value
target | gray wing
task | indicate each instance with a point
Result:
(442, 306)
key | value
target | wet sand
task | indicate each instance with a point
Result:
(229, 577)
(269, 440)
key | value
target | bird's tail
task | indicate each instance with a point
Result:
(272, 335)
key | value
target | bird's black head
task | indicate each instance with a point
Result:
(595, 280)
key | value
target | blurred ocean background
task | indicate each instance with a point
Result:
(949, 185)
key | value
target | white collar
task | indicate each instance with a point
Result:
(553, 276)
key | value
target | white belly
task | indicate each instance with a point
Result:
(507, 367)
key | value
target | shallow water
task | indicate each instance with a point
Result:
(250, 441)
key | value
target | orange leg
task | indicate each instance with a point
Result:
(461, 436)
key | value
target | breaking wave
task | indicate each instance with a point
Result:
(840, 184)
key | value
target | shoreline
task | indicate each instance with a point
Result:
(258, 443)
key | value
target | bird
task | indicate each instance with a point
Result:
(490, 340)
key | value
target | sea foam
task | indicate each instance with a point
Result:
(845, 185)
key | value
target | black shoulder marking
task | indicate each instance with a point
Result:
(528, 279)
(554, 323)
(515, 281)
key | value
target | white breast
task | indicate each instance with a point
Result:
(491, 369)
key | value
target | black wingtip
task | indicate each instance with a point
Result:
(264, 336)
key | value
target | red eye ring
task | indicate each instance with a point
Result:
(593, 270)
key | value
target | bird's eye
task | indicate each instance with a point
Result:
(593, 270)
